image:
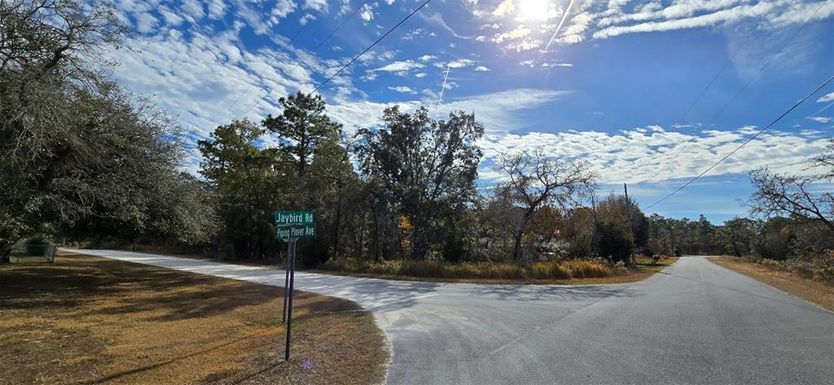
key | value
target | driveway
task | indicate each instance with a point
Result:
(693, 323)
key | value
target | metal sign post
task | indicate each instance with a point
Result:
(291, 226)
(292, 246)
(286, 283)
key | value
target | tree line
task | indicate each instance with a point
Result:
(86, 160)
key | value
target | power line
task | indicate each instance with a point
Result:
(315, 49)
(718, 74)
(759, 71)
(825, 83)
(359, 8)
(371, 46)
(307, 56)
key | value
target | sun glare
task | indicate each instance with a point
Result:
(529, 10)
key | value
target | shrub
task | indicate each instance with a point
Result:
(544, 270)
(587, 269)
(470, 270)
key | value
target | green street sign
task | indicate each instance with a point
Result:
(295, 224)
(293, 218)
(308, 231)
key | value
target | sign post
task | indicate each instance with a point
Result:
(292, 226)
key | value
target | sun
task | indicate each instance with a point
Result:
(531, 10)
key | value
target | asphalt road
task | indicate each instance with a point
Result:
(694, 323)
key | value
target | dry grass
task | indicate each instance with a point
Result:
(91, 320)
(807, 288)
(576, 272)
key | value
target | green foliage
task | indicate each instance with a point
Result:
(81, 157)
(244, 181)
(425, 168)
(736, 236)
(774, 239)
(301, 127)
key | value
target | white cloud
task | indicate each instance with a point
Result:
(820, 119)
(498, 112)
(171, 17)
(437, 20)
(654, 154)
(399, 67)
(306, 19)
(550, 65)
(402, 90)
(281, 9)
(194, 9)
(459, 63)
(605, 19)
(481, 69)
(316, 5)
(515, 34)
(826, 98)
(427, 58)
(414, 34)
(366, 13)
(146, 23)
(217, 9)
(504, 9)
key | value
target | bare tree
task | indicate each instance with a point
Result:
(792, 195)
(826, 162)
(536, 179)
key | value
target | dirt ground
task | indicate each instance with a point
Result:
(89, 320)
(805, 288)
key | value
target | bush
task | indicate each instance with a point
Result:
(475, 270)
(544, 270)
(820, 267)
(588, 269)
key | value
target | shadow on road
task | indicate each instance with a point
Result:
(551, 293)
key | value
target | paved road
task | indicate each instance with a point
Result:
(694, 323)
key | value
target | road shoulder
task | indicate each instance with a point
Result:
(810, 290)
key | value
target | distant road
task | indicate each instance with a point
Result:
(694, 323)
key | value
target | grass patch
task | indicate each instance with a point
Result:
(567, 272)
(93, 320)
(818, 291)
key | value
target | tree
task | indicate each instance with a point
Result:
(301, 126)
(616, 219)
(792, 195)
(428, 167)
(536, 179)
(736, 236)
(774, 239)
(244, 180)
(579, 230)
(825, 162)
(79, 154)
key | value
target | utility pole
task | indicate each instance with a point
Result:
(630, 229)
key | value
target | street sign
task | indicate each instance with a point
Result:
(307, 231)
(293, 218)
(295, 224)
(292, 226)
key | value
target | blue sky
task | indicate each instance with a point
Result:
(616, 83)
